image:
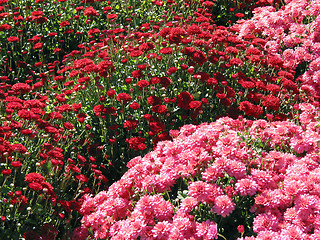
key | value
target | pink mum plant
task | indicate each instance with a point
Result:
(212, 178)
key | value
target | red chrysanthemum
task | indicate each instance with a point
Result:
(184, 99)
(123, 98)
(34, 177)
(199, 57)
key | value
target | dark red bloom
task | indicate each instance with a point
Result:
(130, 124)
(250, 109)
(134, 105)
(165, 81)
(156, 125)
(137, 143)
(195, 105)
(154, 100)
(90, 11)
(105, 68)
(82, 178)
(145, 47)
(159, 109)
(271, 103)
(184, 99)
(166, 50)
(199, 57)
(123, 98)
(17, 147)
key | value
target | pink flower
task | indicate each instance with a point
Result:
(213, 173)
(265, 222)
(204, 192)
(162, 230)
(223, 205)
(246, 186)
(207, 230)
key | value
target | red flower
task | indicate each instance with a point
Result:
(4, 27)
(13, 39)
(55, 115)
(35, 186)
(81, 63)
(21, 87)
(172, 70)
(16, 164)
(184, 99)
(17, 147)
(98, 109)
(68, 125)
(165, 81)
(271, 103)
(199, 57)
(250, 109)
(164, 32)
(136, 53)
(202, 19)
(247, 84)
(166, 50)
(130, 124)
(76, 106)
(156, 125)
(159, 109)
(64, 23)
(123, 98)
(82, 178)
(111, 93)
(112, 16)
(105, 68)
(37, 46)
(134, 105)
(154, 100)
(188, 51)
(90, 11)
(34, 177)
(240, 228)
(137, 143)
(145, 47)
(6, 172)
(143, 83)
(239, 15)
(137, 74)
(50, 129)
(195, 105)
(193, 29)
(64, 108)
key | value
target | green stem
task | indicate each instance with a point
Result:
(221, 236)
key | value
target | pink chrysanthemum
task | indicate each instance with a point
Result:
(223, 205)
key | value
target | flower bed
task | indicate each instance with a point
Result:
(214, 177)
(88, 85)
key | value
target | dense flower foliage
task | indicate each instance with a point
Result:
(87, 85)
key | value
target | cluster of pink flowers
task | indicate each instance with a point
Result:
(292, 35)
(162, 193)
